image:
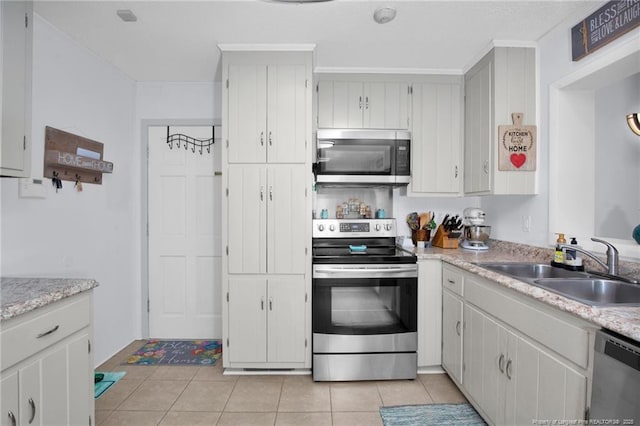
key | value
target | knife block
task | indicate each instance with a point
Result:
(442, 240)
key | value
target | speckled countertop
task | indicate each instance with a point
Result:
(21, 295)
(622, 320)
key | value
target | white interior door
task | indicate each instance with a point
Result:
(184, 236)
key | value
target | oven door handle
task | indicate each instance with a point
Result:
(365, 272)
(377, 270)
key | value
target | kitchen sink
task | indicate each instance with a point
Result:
(532, 270)
(594, 291)
(580, 286)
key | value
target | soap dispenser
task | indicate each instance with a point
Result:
(558, 254)
(572, 258)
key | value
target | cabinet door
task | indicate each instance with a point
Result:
(80, 380)
(247, 201)
(16, 82)
(31, 404)
(472, 351)
(340, 104)
(452, 335)
(478, 129)
(247, 320)
(429, 313)
(287, 113)
(9, 402)
(286, 320)
(247, 117)
(287, 213)
(386, 105)
(436, 138)
(55, 371)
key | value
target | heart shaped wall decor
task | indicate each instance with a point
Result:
(518, 160)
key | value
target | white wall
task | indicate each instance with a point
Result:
(617, 160)
(94, 233)
(554, 63)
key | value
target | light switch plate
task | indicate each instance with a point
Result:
(32, 188)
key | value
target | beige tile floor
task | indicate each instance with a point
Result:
(174, 395)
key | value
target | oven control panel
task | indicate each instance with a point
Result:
(353, 228)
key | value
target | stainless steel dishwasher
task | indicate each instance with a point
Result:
(616, 379)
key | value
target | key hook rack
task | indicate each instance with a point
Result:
(73, 158)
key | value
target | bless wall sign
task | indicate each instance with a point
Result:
(603, 26)
(516, 145)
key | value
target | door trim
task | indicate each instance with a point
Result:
(144, 198)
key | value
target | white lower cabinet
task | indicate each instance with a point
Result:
(429, 313)
(452, 335)
(47, 367)
(510, 377)
(267, 322)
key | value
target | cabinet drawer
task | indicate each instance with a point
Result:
(453, 280)
(39, 329)
(567, 339)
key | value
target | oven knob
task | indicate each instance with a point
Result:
(332, 228)
(320, 228)
(388, 227)
(377, 227)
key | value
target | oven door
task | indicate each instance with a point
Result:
(365, 308)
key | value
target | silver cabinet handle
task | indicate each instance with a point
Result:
(262, 303)
(12, 417)
(271, 193)
(508, 369)
(458, 328)
(360, 104)
(450, 281)
(485, 166)
(270, 304)
(456, 172)
(262, 193)
(261, 138)
(501, 363)
(46, 333)
(33, 410)
(270, 141)
(366, 102)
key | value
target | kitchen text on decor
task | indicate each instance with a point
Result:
(603, 26)
(516, 145)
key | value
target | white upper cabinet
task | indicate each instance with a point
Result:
(436, 137)
(503, 82)
(267, 112)
(362, 103)
(17, 36)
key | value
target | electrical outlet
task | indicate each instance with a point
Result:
(526, 223)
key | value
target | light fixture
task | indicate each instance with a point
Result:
(127, 15)
(634, 123)
(382, 15)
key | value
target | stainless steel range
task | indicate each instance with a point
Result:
(364, 302)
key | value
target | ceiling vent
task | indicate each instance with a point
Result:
(126, 15)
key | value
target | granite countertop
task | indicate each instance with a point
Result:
(21, 295)
(622, 320)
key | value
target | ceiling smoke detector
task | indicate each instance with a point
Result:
(127, 15)
(383, 15)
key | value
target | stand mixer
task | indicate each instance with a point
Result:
(475, 233)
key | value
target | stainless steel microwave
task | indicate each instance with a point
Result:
(363, 156)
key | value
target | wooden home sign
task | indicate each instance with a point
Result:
(73, 158)
(603, 26)
(516, 145)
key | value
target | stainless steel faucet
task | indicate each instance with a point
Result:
(612, 255)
